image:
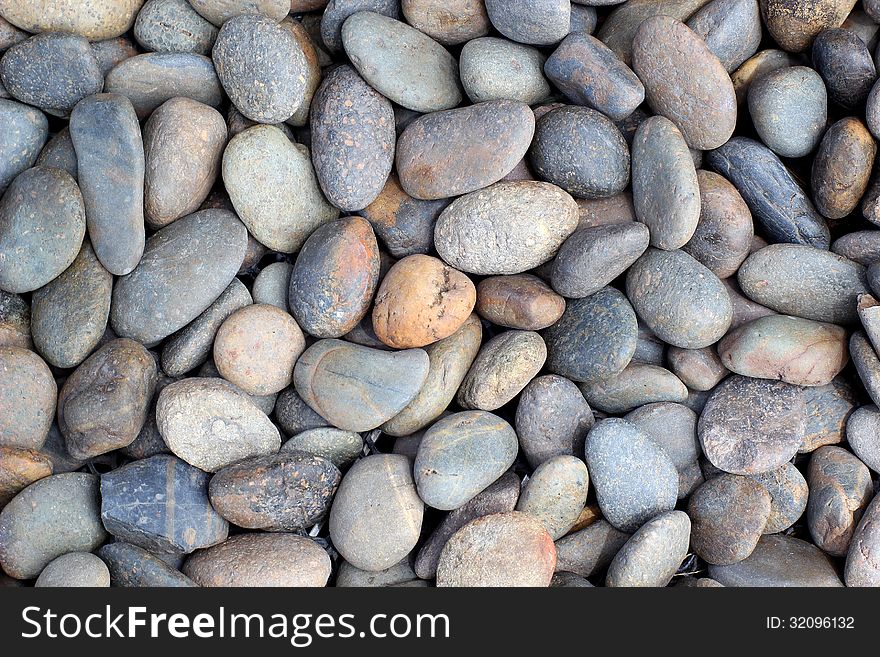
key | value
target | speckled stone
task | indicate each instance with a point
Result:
(27, 398)
(804, 281)
(376, 515)
(173, 26)
(556, 493)
(42, 225)
(358, 388)
(403, 64)
(273, 188)
(638, 384)
(863, 435)
(75, 570)
(731, 29)
(501, 549)
(788, 496)
(519, 301)
(794, 25)
(582, 151)
(23, 131)
(99, 19)
(653, 554)
(634, 478)
(454, 152)
(54, 516)
(110, 52)
(502, 368)
(294, 415)
(538, 22)
(220, 11)
(780, 560)
(15, 321)
(595, 338)
(59, 153)
(589, 550)
(845, 64)
(19, 468)
(185, 267)
(133, 566)
(750, 426)
(861, 246)
(261, 560)
(453, 22)
(341, 448)
(828, 409)
(842, 167)
(497, 69)
(861, 562)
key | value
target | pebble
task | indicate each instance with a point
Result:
(828, 408)
(638, 384)
(699, 369)
(42, 225)
(460, 455)
(842, 167)
(634, 478)
(52, 71)
(731, 29)
(861, 561)
(780, 561)
(666, 191)
(294, 415)
(420, 301)
(183, 146)
(110, 52)
(653, 554)
(274, 189)
(794, 26)
(453, 22)
(519, 301)
(185, 267)
(272, 284)
(788, 496)
(840, 490)
(341, 448)
(497, 69)
(617, 209)
(15, 321)
(75, 570)
(376, 517)
(49, 518)
(757, 66)
(449, 360)
(401, 63)
(261, 560)
(27, 398)
(556, 493)
(19, 468)
(804, 281)
(220, 11)
(589, 550)
(290, 490)
(95, 20)
(358, 388)
(582, 151)
(861, 246)
(863, 435)
(538, 22)
(209, 423)
(133, 566)
(845, 64)
(173, 26)
(589, 73)
(867, 364)
(463, 150)
(23, 131)
(750, 426)
(69, 314)
(501, 549)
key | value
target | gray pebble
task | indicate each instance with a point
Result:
(653, 554)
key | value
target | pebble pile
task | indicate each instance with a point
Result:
(439, 292)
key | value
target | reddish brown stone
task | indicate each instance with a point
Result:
(521, 301)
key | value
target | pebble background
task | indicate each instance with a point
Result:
(439, 293)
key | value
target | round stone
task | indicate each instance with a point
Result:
(27, 398)
(556, 493)
(844, 61)
(341, 448)
(842, 167)
(653, 554)
(75, 570)
(497, 69)
(539, 22)
(794, 25)
(173, 26)
(788, 496)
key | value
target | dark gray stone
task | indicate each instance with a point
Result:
(337, 12)
(539, 22)
(59, 153)
(173, 26)
(731, 29)
(133, 566)
(780, 560)
(845, 64)
(23, 131)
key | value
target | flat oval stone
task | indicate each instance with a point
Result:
(502, 368)
(23, 131)
(451, 23)
(582, 151)
(861, 562)
(59, 153)
(75, 570)
(110, 160)
(103, 405)
(539, 22)
(272, 285)
(133, 566)
(54, 516)
(358, 388)
(507, 228)
(183, 146)
(69, 315)
(731, 29)
(789, 109)
(757, 66)
(261, 67)
(679, 299)
(685, 81)
(794, 25)
(460, 455)
(556, 493)
(52, 71)
(42, 225)
(220, 11)
(861, 246)
(520, 301)
(863, 435)
(807, 282)
(185, 267)
(153, 78)
(457, 151)
(15, 321)
(449, 360)
(209, 423)
(191, 345)
(780, 560)
(634, 478)
(750, 426)
(401, 63)
(294, 415)
(173, 26)
(845, 64)
(341, 448)
(595, 338)
(589, 73)
(273, 188)
(589, 550)
(289, 490)
(729, 514)
(264, 560)
(496, 69)
(840, 490)
(790, 349)
(27, 398)
(501, 549)
(98, 19)
(842, 167)
(867, 364)
(638, 384)
(376, 515)
(653, 554)
(788, 496)
(337, 12)
(19, 468)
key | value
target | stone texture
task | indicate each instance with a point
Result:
(788, 496)
(99, 19)
(27, 398)
(845, 64)
(519, 301)
(653, 554)
(19, 468)
(778, 561)
(589, 550)
(556, 493)
(861, 562)
(24, 131)
(341, 448)
(638, 384)
(863, 435)
(15, 321)
(731, 29)
(502, 368)
(794, 25)
(451, 23)
(842, 167)
(497, 69)
(133, 566)
(173, 26)
(698, 369)
(75, 570)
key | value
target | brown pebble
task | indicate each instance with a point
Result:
(520, 301)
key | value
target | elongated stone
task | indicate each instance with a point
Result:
(653, 554)
(780, 560)
(19, 468)
(638, 384)
(23, 131)
(842, 167)
(556, 493)
(861, 562)
(173, 26)
(133, 566)
(27, 398)
(339, 447)
(502, 368)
